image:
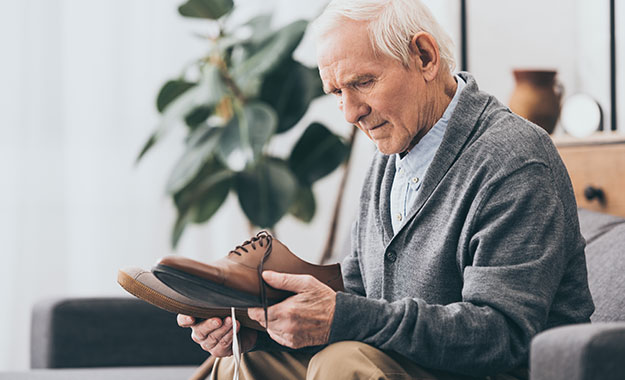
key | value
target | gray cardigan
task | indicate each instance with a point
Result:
(490, 255)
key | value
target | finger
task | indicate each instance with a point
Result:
(226, 341)
(185, 320)
(296, 283)
(257, 314)
(274, 313)
(214, 336)
(200, 331)
(204, 328)
(236, 325)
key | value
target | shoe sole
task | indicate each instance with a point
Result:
(142, 291)
(198, 288)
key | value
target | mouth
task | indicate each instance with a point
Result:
(377, 126)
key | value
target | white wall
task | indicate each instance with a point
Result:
(571, 37)
(79, 80)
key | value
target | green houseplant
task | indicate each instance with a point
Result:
(233, 101)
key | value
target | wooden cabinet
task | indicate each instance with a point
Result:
(597, 168)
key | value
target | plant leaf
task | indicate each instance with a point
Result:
(317, 153)
(266, 192)
(247, 38)
(303, 208)
(289, 90)
(167, 94)
(206, 196)
(178, 104)
(197, 116)
(210, 9)
(249, 72)
(148, 144)
(214, 192)
(210, 173)
(206, 93)
(259, 23)
(181, 223)
(170, 91)
(245, 135)
(200, 147)
(254, 29)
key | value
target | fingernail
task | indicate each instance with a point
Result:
(215, 323)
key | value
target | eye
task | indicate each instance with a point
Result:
(365, 83)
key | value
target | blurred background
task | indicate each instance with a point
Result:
(78, 84)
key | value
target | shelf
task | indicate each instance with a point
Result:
(598, 138)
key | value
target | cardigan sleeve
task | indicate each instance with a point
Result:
(350, 268)
(519, 248)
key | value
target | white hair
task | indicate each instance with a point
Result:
(392, 24)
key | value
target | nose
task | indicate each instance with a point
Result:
(354, 108)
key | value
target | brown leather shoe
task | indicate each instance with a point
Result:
(144, 285)
(235, 280)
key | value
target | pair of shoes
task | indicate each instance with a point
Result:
(190, 287)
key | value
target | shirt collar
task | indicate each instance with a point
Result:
(417, 160)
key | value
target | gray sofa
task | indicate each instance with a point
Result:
(597, 350)
(108, 338)
(134, 337)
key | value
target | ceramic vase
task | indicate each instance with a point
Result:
(537, 97)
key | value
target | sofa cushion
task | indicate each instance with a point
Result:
(126, 373)
(605, 257)
(108, 332)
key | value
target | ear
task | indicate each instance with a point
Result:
(426, 55)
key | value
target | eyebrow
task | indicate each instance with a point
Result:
(351, 82)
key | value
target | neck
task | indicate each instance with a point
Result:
(443, 90)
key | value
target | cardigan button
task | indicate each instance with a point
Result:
(391, 256)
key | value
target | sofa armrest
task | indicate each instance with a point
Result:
(579, 352)
(108, 332)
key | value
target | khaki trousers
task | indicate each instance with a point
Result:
(343, 360)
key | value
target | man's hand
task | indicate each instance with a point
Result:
(303, 319)
(215, 335)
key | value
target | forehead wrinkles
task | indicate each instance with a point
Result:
(346, 55)
(345, 72)
(342, 53)
(331, 76)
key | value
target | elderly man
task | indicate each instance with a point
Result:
(467, 242)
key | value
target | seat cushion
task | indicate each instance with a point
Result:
(127, 373)
(108, 332)
(605, 255)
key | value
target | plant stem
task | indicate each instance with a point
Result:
(233, 86)
(223, 70)
(327, 252)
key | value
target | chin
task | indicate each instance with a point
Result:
(388, 150)
(389, 146)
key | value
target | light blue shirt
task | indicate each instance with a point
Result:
(410, 170)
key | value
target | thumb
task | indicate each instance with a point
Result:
(297, 283)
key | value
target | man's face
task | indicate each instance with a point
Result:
(379, 95)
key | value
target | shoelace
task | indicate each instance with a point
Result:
(236, 350)
(260, 237)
